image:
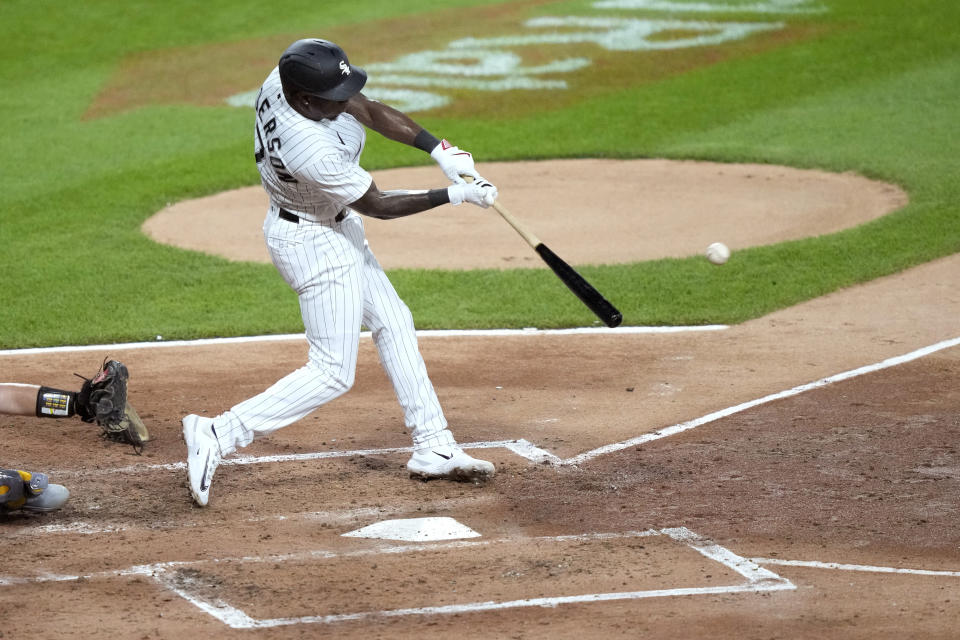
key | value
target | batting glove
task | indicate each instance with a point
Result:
(481, 193)
(454, 162)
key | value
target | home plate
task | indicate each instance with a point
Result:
(416, 529)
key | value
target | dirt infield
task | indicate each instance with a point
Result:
(668, 484)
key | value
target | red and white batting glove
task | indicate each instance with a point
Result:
(481, 193)
(454, 162)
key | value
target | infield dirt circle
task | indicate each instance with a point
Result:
(650, 484)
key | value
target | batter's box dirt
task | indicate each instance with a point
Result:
(322, 587)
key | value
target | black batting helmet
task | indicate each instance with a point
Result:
(320, 68)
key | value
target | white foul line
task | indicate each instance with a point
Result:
(723, 413)
(854, 567)
(531, 452)
(747, 568)
(535, 454)
(426, 333)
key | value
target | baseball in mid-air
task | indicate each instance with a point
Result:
(718, 253)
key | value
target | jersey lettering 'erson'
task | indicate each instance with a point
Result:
(306, 166)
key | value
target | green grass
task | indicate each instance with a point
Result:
(876, 93)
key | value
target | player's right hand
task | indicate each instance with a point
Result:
(481, 193)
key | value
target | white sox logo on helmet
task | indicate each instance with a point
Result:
(344, 68)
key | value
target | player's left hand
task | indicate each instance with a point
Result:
(481, 193)
(454, 162)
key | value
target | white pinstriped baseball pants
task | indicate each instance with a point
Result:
(341, 286)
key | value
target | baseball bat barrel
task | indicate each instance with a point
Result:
(588, 295)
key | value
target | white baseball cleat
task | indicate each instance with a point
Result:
(450, 463)
(203, 456)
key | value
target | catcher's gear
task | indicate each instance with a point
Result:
(103, 399)
(29, 491)
(56, 403)
(133, 430)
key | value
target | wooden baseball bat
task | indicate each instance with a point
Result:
(588, 295)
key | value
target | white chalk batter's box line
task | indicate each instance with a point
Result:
(521, 447)
(170, 576)
(531, 452)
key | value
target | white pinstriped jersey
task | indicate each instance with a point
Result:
(310, 168)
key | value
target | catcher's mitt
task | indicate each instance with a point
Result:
(103, 399)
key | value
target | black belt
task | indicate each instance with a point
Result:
(292, 217)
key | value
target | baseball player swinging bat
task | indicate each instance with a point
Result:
(594, 300)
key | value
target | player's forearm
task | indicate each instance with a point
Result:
(18, 399)
(393, 124)
(387, 205)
